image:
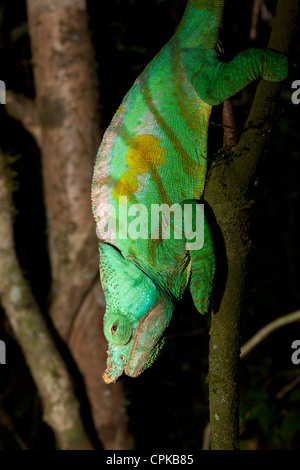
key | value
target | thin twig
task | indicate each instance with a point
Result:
(259, 9)
(7, 424)
(267, 330)
(206, 437)
(288, 388)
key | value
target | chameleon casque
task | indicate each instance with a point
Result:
(155, 152)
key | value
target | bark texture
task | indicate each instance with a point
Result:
(66, 99)
(60, 405)
(64, 120)
(228, 193)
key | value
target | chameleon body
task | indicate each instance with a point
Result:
(155, 152)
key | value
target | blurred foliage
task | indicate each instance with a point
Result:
(167, 405)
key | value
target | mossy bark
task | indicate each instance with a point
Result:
(228, 193)
(64, 119)
(61, 409)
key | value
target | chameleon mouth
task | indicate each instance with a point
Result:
(147, 341)
(109, 377)
(147, 360)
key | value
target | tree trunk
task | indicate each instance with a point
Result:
(228, 193)
(61, 409)
(67, 103)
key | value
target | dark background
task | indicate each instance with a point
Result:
(172, 394)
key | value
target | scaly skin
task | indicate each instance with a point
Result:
(155, 152)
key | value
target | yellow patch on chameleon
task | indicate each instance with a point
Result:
(144, 155)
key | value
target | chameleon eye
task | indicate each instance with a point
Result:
(219, 48)
(117, 329)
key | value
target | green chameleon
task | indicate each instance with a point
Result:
(154, 155)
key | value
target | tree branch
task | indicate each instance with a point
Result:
(288, 388)
(263, 111)
(227, 193)
(267, 330)
(60, 405)
(259, 8)
(7, 424)
(247, 348)
(23, 109)
(66, 89)
(231, 137)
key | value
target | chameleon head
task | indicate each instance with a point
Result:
(136, 316)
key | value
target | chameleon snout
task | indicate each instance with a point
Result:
(108, 378)
(111, 375)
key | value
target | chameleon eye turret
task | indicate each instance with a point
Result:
(117, 329)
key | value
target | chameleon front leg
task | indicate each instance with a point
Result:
(216, 81)
(190, 237)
